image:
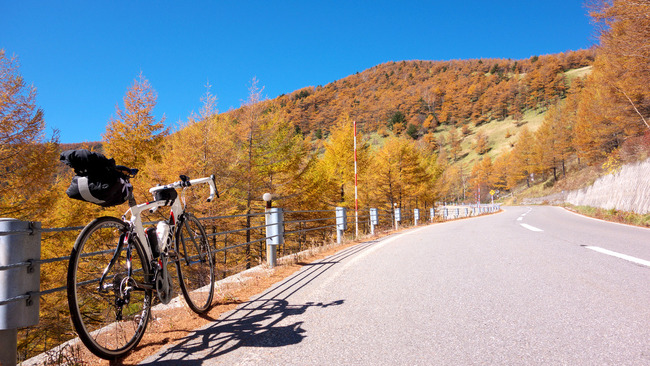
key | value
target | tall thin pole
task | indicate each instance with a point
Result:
(356, 195)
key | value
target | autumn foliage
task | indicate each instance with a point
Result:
(424, 134)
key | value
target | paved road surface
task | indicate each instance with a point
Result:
(528, 286)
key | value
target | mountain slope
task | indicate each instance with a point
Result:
(425, 94)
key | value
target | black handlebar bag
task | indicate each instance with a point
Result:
(97, 180)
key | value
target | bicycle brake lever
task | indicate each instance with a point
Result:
(185, 181)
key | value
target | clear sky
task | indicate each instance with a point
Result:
(82, 56)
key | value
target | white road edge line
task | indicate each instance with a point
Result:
(622, 256)
(531, 228)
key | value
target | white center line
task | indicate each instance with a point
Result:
(622, 256)
(531, 228)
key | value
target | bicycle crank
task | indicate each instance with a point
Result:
(164, 288)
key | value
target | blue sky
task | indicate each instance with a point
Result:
(82, 56)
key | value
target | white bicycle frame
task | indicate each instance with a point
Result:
(177, 209)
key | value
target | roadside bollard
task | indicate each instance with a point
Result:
(373, 220)
(416, 216)
(432, 214)
(398, 218)
(274, 234)
(341, 223)
(20, 252)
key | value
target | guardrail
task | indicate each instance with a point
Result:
(239, 242)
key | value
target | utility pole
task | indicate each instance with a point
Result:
(356, 194)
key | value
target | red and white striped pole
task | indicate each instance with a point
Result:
(356, 198)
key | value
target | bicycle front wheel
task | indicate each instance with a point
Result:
(110, 316)
(195, 264)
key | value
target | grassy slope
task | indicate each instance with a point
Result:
(581, 72)
(498, 130)
(578, 176)
(502, 134)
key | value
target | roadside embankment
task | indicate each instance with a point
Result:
(625, 190)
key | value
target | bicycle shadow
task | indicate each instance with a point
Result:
(264, 321)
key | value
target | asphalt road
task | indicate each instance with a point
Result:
(528, 286)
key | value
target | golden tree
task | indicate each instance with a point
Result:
(482, 176)
(400, 173)
(615, 102)
(202, 146)
(454, 142)
(522, 159)
(271, 156)
(596, 132)
(500, 172)
(27, 160)
(482, 144)
(338, 162)
(133, 136)
(623, 59)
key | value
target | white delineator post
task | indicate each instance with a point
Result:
(274, 230)
(341, 223)
(373, 220)
(398, 217)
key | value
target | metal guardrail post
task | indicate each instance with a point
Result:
(274, 234)
(374, 220)
(341, 223)
(20, 252)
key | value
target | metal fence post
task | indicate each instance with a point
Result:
(20, 252)
(274, 234)
(341, 223)
(374, 221)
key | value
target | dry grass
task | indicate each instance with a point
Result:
(502, 134)
(577, 73)
(613, 215)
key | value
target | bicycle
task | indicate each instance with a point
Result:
(116, 266)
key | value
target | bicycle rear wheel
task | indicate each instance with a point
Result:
(112, 319)
(195, 264)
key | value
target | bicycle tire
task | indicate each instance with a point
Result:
(107, 329)
(195, 264)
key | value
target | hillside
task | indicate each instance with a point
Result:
(424, 94)
(458, 112)
(450, 106)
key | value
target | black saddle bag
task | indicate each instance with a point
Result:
(97, 179)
